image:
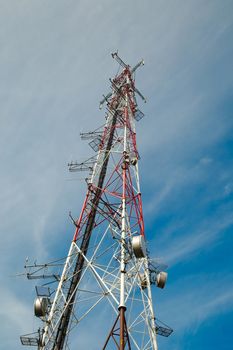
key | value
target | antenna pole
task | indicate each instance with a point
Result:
(122, 307)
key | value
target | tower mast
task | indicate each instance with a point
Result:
(108, 261)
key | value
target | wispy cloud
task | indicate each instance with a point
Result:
(54, 67)
(17, 316)
(196, 298)
(207, 233)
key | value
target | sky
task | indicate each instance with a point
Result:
(55, 64)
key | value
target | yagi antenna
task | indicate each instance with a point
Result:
(132, 71)
(139, 64)
(119, 60)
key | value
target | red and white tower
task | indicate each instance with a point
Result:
(107, 267)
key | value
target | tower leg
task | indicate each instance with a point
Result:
(120, 331)
(122, 328)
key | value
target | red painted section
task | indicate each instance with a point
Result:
(119, 183)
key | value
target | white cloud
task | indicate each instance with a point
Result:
(228, 189)
(206, 160)
(196, 298)
(17, 316)
(181, 247)
(54, 67)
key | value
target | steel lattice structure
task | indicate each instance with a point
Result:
(103, 267)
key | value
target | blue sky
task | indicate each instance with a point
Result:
(54, 67)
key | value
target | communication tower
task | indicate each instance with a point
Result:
(108, 265)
